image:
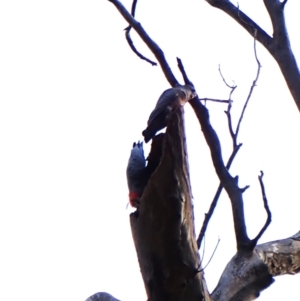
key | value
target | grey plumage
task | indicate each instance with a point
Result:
(159, 116)
(136, 173)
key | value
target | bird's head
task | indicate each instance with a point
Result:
(189, 91)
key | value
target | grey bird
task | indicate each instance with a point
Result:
(159, 116)
(136, 173)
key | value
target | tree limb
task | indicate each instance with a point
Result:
(281, 48)
(251, 90)
(129, 40)
(240, 17)
(214, 100)
(278, 46)
(282, 257)
(148, 41)
(227, 181)
(244, 277)
(275, 11)
(266, 205)
(247, 274)
(234, 136)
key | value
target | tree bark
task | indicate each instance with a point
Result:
(248, 273)
(163, 225)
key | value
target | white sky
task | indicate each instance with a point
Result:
(74, 98)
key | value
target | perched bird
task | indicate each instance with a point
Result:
(159, 116)
(136, 173)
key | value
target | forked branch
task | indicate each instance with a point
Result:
(156, 50)
(228, 182)
(129, 40)
(266, 205)
(278, 46)
(234, 136)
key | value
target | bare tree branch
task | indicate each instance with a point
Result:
(281, 48)
(247, 23)
(235, 148)
(228, 182)
(211, 257)
(133, 7)
(148, 41)
(269, 214)
(251, 90)
(208, 215)
(278, 46)
(282, 257)
(244, 188)
(228, 112)
(245, 277)
(233, 154)
(275, 11)
(129, 40)
(232, 87)
(133, 48)
(214, 100)
(180, 66)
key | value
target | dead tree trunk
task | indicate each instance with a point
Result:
(163, 226)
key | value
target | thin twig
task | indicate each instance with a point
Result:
(208, 215)
(244, 188)
(212, 255)
(266, 205)
(232, 87)
(233, 154)
(236, 146)
(227, 112)
(130, 43)
(203, 253)
(215, 100)
(279, 45)
(133, 7)
(183, 73)
(214, 202)
(230, 127)
(156, 50)
(129, 40)
(251, 90)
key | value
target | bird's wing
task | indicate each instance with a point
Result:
(137, 161)
(166, 99)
